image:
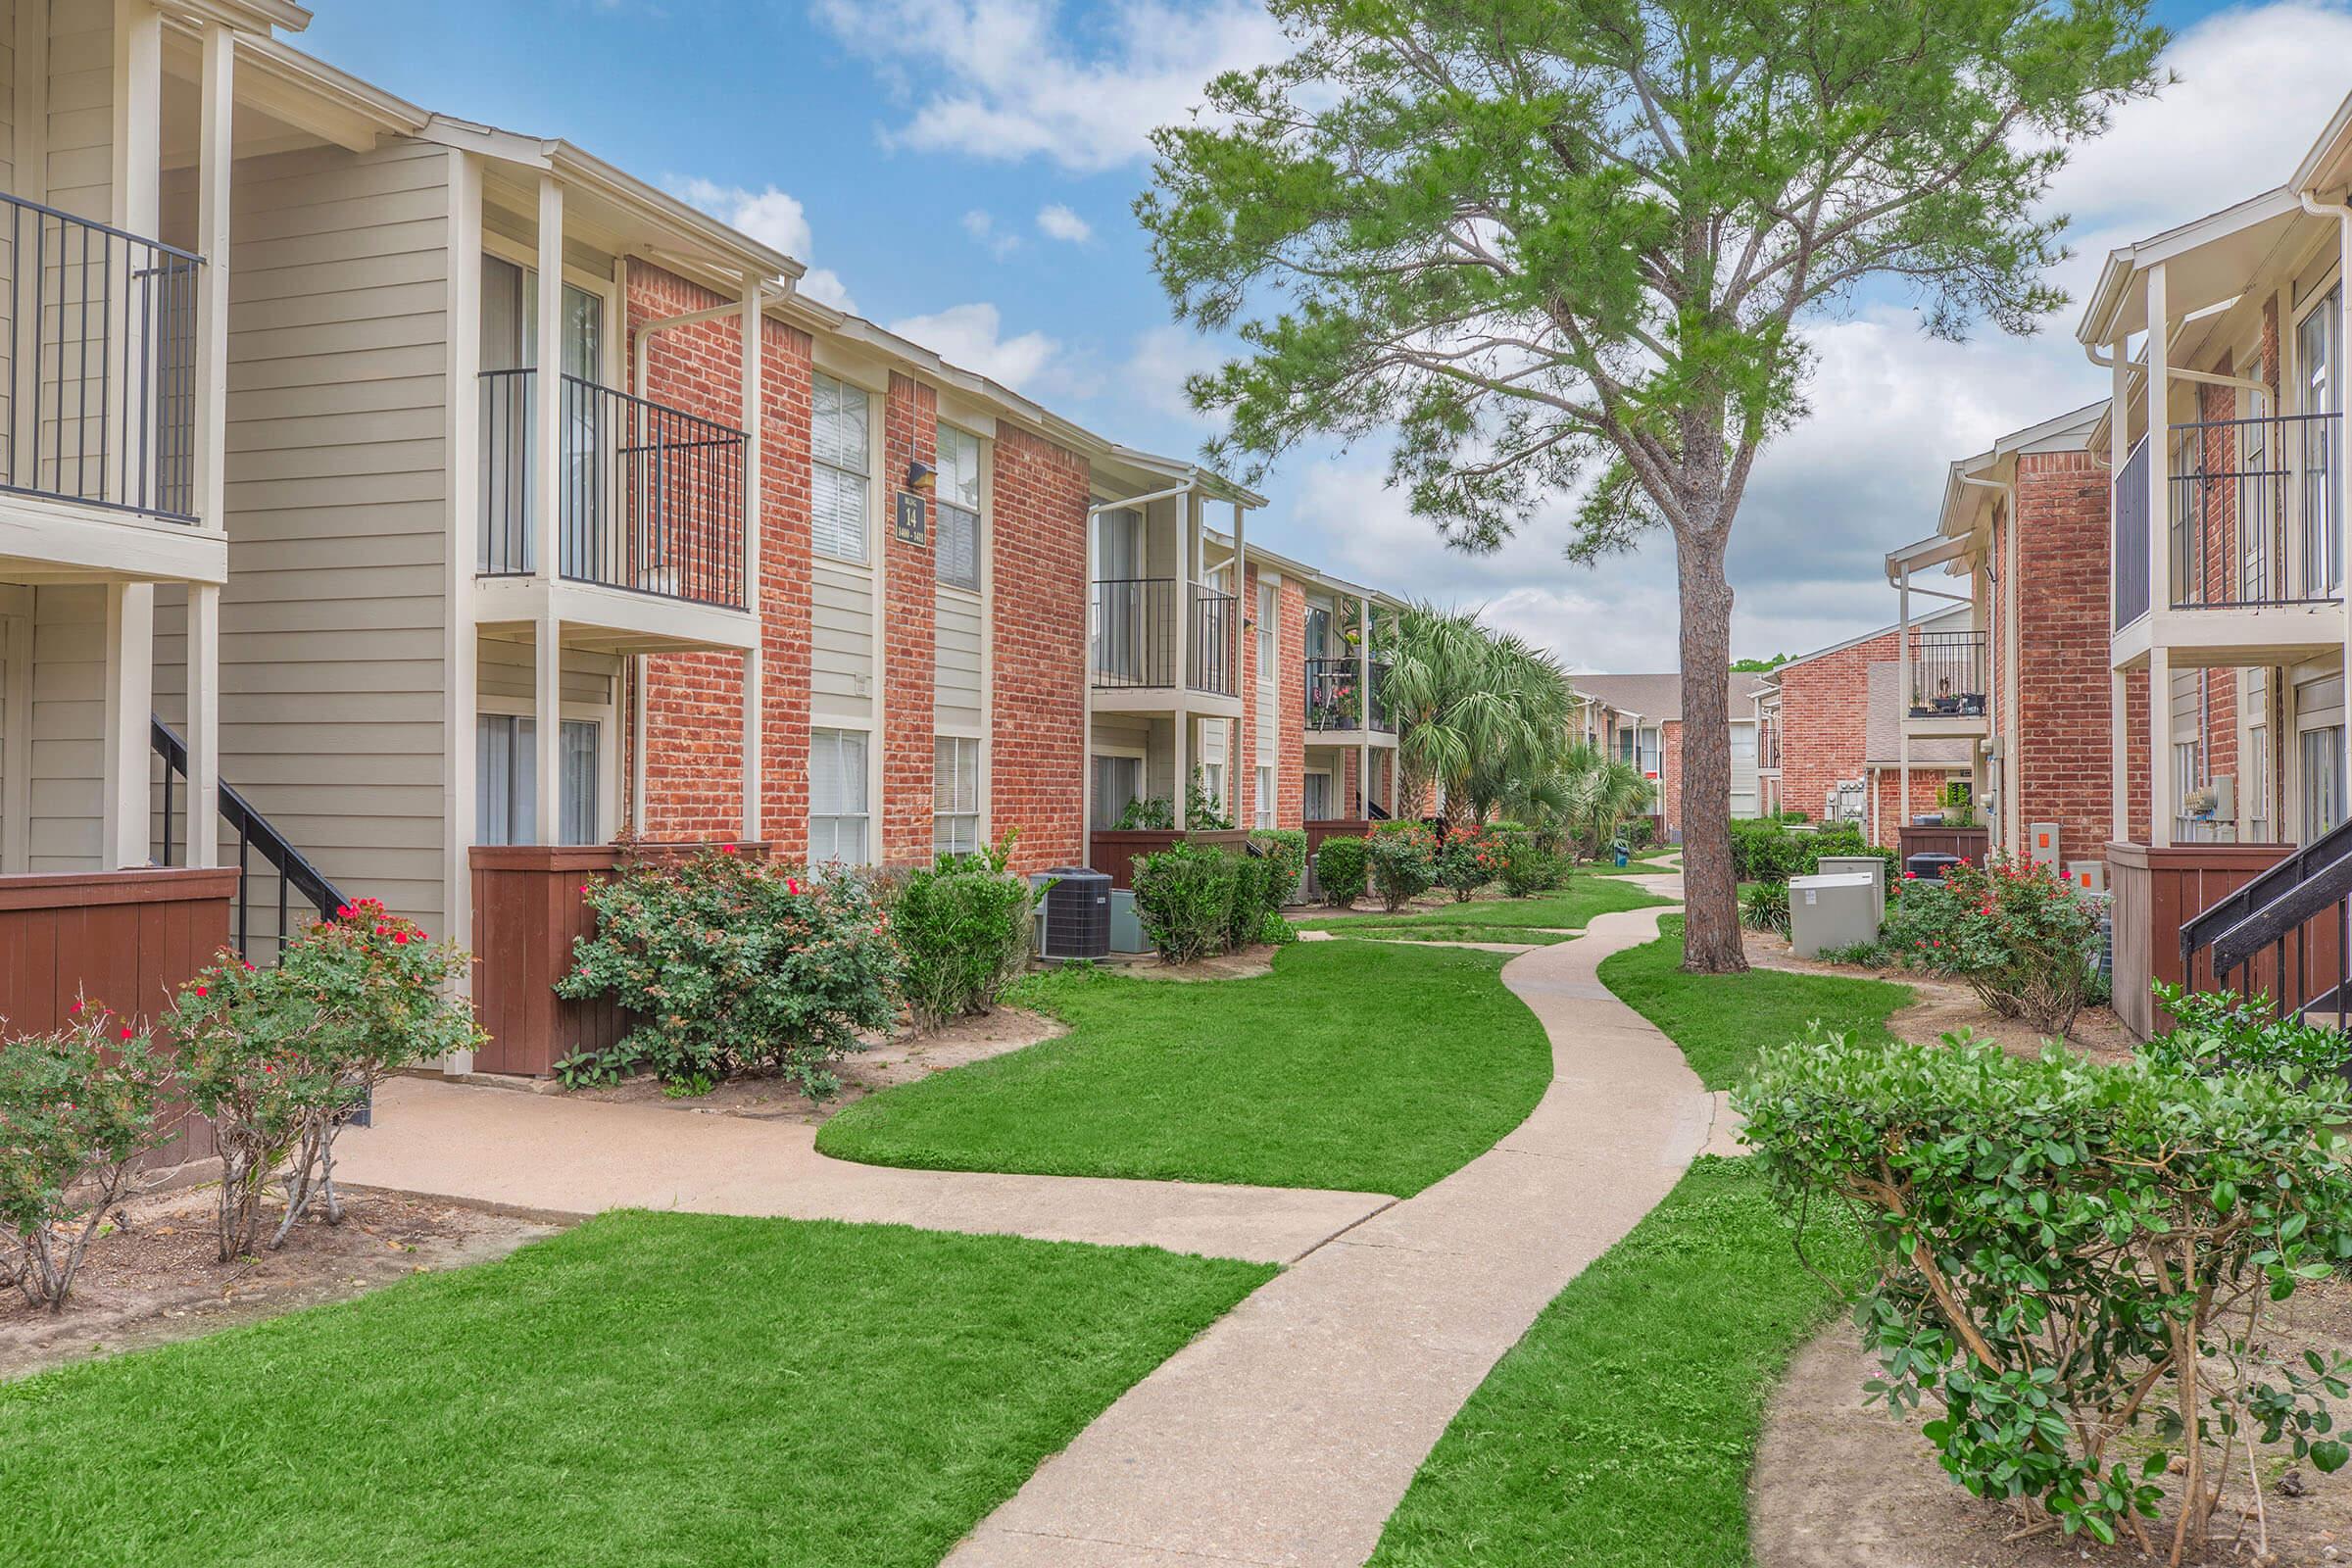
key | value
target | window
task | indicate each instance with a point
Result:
(507, 779)
(839, 425)
(2253, 502)
(510, 342)
(2323, 760)
(837, 806)
(954, 796)
(957, 553)
(2317, 393)
(1319, 798)
(1118, 784)
(1212, 782)
(1265, 796)
(2254, 790)
(1269, 616)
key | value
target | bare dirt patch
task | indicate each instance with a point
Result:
(896, 1061)
(159, 1277)
(1840, 1485)
(1945, 1007)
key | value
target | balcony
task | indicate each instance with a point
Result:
(1134, 637)
(1334, 702)
(650, 500)
(2253, 547)
(100, 382)
(1947, 684)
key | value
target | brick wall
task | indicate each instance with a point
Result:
(1290, 774)
(910, 628)
(1885, 796)
(2059, 735)
(693, 702)
(1825, 707)
(1038, 737)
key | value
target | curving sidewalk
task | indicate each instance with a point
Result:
(1288, 1431)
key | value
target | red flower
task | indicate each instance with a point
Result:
(401, 938)
(204, 991)
(126, 1031)
(726, 849)
(791, 884)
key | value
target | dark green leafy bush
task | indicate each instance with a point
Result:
(1466, 863)
(1286, 855)
(1521, 864)
(963, 929)
(1764, 906)
(2224, 1032)
(733, 964)
(2022, 937)
(1340, 866)
(1402, 859)
(1147, 813)
(2072, 1260)
(1184, 900)
(1248, 914)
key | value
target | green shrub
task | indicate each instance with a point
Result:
(1184, 900)
(278, 1058)
(2224, 1032)
(2069, 1259)
(1340, 866)
(1276, 932)
(2022, 937)
(1465, 863)
(1248, 912)
(79, 1106)
(1764, 906)
(1147, 813)
(1862, 956)
(1286, 855)
(1520, 863)
(734, 963)
(964, 930)
(1204, 811)
(1403, 862)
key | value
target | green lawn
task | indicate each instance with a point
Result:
(1636, 867)
(1721, 1020)
(648, 1389)
(1372, 1067)
(1501, 920)
(1619, 1432)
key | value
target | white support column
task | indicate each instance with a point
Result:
(2119, 758)
(2160, 747)
(1188, 572)
(1906, 697)
(461, 644)
(2160, 521)
(129, 712)
(1184, 773)
(1363, 700)
(2119, 451)
(1241, 793)
(204, 724)
(547, 508)
(138, 116)
(216, 111)
(2341, 499)
(753, 665)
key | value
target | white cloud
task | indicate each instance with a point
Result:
(1015, 79)
(982, 227)
(1057, 221)
(972, 336)
(772, 217)
(1155, 371)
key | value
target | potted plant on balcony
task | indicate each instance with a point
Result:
(1335, 706)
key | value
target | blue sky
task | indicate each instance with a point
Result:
(962, 169)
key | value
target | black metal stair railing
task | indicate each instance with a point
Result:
(2292, 915)
(255, 836)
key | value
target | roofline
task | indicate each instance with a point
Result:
(392, 115)
(1856, 642)
(2095, 326)
(2339, 126)
(260, 16)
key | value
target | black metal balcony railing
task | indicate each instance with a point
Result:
(1767, 750)
(1333, 700)
(2130, 543)
(100, 389)
(1134, 636)
(1947, 674)
(650, 498)
(2237, 491)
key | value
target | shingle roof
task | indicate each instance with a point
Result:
(1658, 699)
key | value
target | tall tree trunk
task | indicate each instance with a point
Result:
(1710, 891)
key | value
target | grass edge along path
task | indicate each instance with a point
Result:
(1721, 1020)
(656, 1391)
(1532, 920)
(1355, 1066)
(1620, 1430)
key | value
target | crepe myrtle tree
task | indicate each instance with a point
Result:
(1563, 251)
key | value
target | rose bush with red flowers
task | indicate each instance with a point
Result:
(1469, 861)
(281, 1058)
(2022, 937)
(79, 1106)
(732, 965)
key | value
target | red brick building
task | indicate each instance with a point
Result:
(1639, 719)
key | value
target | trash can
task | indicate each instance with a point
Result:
(1826, 912)
(1621, 854)
(1930, 867)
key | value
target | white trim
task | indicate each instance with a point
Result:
(16, 739)
(459, 641)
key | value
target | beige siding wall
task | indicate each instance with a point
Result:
(81, 114)
(331, 666)
(842, 655)
(8, 93)
(956, 696)
(69, 728)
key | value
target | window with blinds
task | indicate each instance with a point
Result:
(957, 553)
(1265, 796)
(506, 799)
(840, 425)
(954, 796)
(1118, 784)
(837, 797)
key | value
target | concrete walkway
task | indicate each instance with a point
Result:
(1287, 1434)
(573, 1156)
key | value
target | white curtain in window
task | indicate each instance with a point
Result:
(1118, 781)
(954, 795)
(839, 485)
(837, 797)
(1319, 798)
(1265, 797)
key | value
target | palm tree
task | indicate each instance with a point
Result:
(1480, 711)
(1604, 792)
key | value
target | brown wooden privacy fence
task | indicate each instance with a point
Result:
(2155, 891)
(127, 939)
(1115, 850)
(527, 911)
(1970, 844)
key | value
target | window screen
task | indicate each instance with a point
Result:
(837, 797)
(954, 796)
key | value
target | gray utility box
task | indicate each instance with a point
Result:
(1869, 866)
(1831, 912)
(1126, 930)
